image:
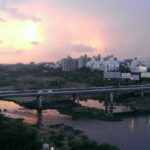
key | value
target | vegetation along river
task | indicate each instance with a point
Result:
(132, 133)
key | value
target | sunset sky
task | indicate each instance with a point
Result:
(48, 30)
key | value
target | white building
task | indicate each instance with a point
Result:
(69, 64)
(140, 64)
(111, 65)
(104, 64)
(138, 69)
(82, 61)
(52, 65)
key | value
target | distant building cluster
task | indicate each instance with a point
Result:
(109, 63)
(106, 64)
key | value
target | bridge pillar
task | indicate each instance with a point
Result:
(111, 97)
(39, 102)
(74, 97)
(106, 104)
(39, 118)
(111, 103)
(77, 99)
(106, 107)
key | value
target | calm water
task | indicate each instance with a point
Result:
(99, 104)
(130, 134)
(49, 116)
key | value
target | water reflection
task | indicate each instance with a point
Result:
(101, 105)
(92, 103)
(132, 124)
(15, 111)
(117, 133)
(149, 121)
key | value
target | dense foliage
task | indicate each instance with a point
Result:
(14, 135)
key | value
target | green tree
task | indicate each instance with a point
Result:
(14, 135)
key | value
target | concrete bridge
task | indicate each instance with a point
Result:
(74, 92)
(70, 91)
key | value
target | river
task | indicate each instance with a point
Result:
(131, 134)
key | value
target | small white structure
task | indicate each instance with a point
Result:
(46, 146)
(145, 75)
(126, 76)
(52, 65)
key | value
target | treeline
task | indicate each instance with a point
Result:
(56, 78)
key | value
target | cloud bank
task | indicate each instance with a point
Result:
(81, 26)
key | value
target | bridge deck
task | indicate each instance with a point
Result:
(47, 92)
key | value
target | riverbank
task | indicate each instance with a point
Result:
(101, 131)
(64, 137)
(14, 134)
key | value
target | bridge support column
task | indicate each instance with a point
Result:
(106, 104)
(74, 97)
(106, 107)
(111, 103)
(77, 99)
(39, 102)
(39, 111)
(39, 118)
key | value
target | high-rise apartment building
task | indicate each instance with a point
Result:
(82, 61)
(69, 64)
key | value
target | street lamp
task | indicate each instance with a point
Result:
(52, 148)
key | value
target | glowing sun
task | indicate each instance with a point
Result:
(20, 35)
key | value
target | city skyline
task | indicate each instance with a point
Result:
(49, 30)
